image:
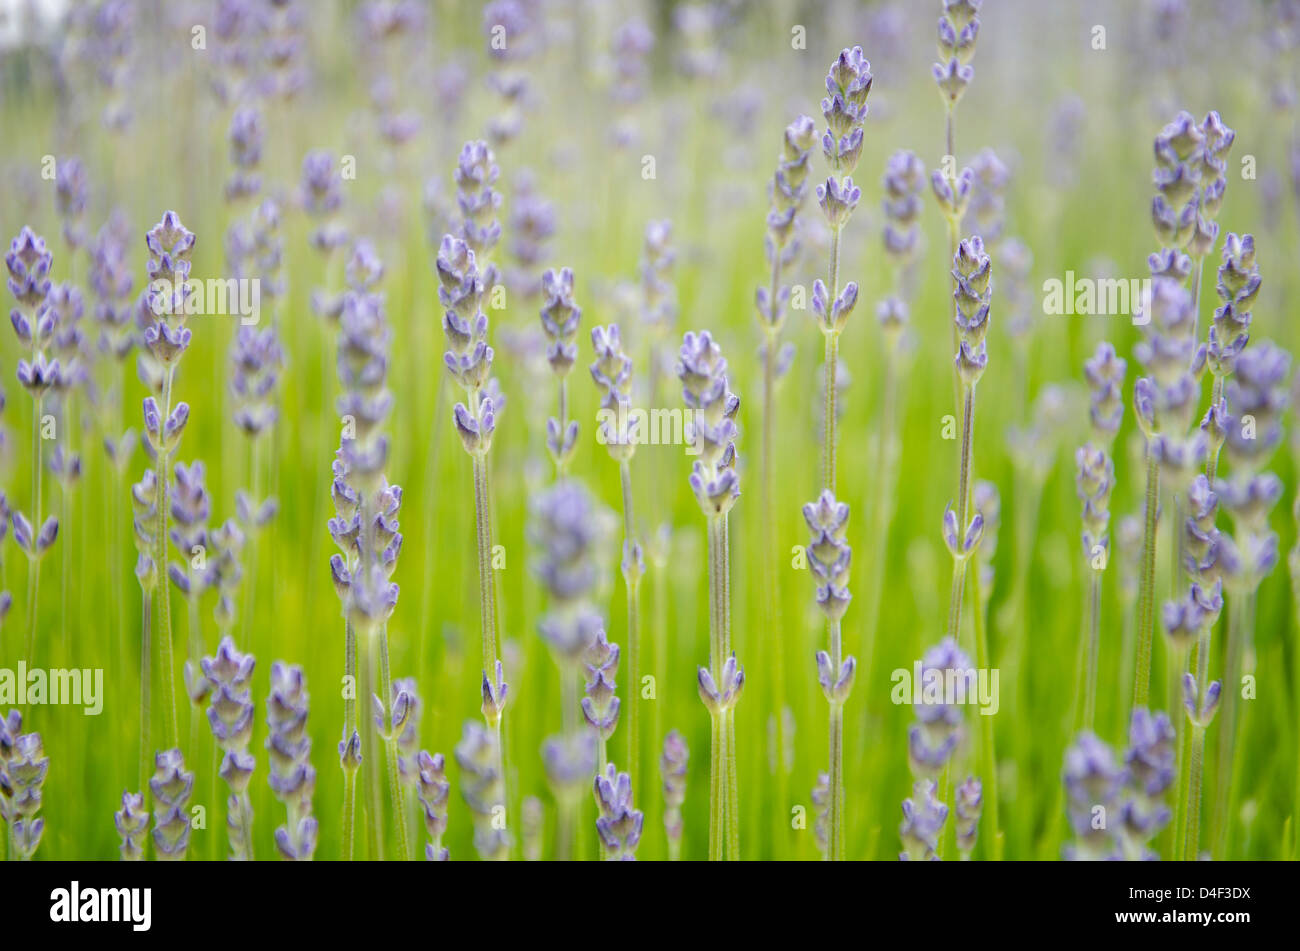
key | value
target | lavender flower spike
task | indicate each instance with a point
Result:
(923, 819)
(292, 777)
(619, 823)
(703, 374)
(171, 786)
(672, 765)
(433, 791)
(483, 788)
(560, 319)
(230, 713)
(132, 823)
(970, 801)
(25, 768)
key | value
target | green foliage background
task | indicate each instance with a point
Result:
(712, 167)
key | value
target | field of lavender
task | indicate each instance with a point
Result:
(546, 429)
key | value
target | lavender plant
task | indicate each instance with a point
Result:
(787, 193)
(144, 505)
(469, 361)
(1163, 402)
(132, 822)
(166, 338)
(28, 262)
(600, 706)
(292, 777)
(903, 182)
(1094, 784)
(972, 271)
(1257, 395)
(1238, 286)
(829, 557)
(569, 760)
(366, 526)
(1094, 484)
(672, 766)
(25, 769)
(483, 787)
(171, 787)
(11, 725)
(1189, 624)
(1149, 772)
(958, 34)
(230, 712)
(970, 802)
(612, 373)
(703, 373)
(619, 824)
(560, 319)
(845, 110)
(923, 823)
(433, 792)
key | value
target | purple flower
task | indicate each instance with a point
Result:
(433, 791)
(132, 822)
(171, 786)
(1093, 784)
(292, 777)
(672, 766)
(619, 824)
(829, 555)
(600, 706)
(969, 804)
(483, 789)
(923, 819)
(703, 373)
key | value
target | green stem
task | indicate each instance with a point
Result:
(828, 440)
(34, 557)
(146, 703)
(733, 788)
(395, 791)
(963, 497)
(771, 579)
(632, 577)
(988, 754)
(374, 794)
(835, 831)
(1094, 642)
(1191, 845)
(1219, 819)
(1146, 597)
(161, 581)
(487, 606)
(349, 728)
(1212, 462)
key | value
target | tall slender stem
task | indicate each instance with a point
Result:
(1146, 596)
(161, 581)
(349, 728)
(1094, 642)
(963, 496)
(835, 831)
(487, 606)
(1212, 462)
(395, 791)
(146, 702)
(632, 576)
(988, 754)
(374, 795)
(774, 641)
(733, 787)
(34, 556)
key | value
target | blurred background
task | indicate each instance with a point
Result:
(599, 130)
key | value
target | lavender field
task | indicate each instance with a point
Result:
(656, 429)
